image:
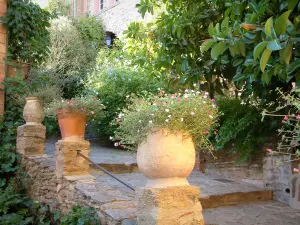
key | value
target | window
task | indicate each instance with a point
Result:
(101, 4)
(74, 8)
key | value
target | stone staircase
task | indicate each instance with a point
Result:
(224, 201)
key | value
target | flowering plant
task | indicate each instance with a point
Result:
(290, 138)
(191, 112)
(87, 104)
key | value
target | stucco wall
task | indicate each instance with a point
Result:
(3, 8)
(117, 17)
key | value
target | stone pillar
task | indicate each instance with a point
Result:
(295, 192)
(169, 206)
(31, 136)
(68, 163)
(277, 173)
(3, 41)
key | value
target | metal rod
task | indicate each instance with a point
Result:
(105, 171)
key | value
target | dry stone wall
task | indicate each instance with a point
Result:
(112, 207)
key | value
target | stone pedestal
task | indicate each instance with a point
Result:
(68, 163)
(31, 139)
(295, 192)
(169, 206)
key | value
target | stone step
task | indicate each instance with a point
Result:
(118, 202)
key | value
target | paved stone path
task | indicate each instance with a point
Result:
(262, 213)
(99, 154)
(209, 185)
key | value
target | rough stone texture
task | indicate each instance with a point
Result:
(277, 176)
(43, 185)
(226, 165)
(117, 17)
(31, 139)
(262, 213)
(295, 192)
(68, 163)
(3, 48)
(172, 205)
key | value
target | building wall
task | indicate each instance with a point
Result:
(117, 15)
(3, 41)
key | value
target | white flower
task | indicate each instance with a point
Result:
(185, 95)
(150, 121)
(140, 121)
(210, 116)
(187, 90)
(169, 116)
(194, 84)
(198, 92)
(120, 115)
(110, 137)
(167, 110)
(152, 114)
(116, 144)
(167, 120)
(192, 113)
(181, 119)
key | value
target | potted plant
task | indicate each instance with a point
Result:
(72, 114)
(165, 130)
(28, 36)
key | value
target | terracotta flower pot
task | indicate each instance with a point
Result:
(71, 123)
(166, 158)
(33, 111)
(14, 68)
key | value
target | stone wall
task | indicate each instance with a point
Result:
(117, 17)
(227, 165)
(3, 41)
(277, 173)
(112, 207)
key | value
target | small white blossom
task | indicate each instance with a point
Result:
(110, 138)
(192, 113)
(185, 95)
(169, 116)
(210, 116)
(116, 144)
(150, 121)
(167, 110)
(152, 114)
(167, 120)
(195, 85)
(140, 121)
(181, 119)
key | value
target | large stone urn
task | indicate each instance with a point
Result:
(166, 158)
(33, 111)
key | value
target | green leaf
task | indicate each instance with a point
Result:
(224, 24)
(292, 4)
(206, 45)
(238, 77)
(218, 49)
(293, 67)
(266, 77)
(269, 26)
(274, 45)
(286, 53)
(211, 29)
(259, 48)
(264, 59)
(237, 62)
(241, 47)
(280, 24)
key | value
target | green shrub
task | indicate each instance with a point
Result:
(28, 36)
(113, 86)
(82, 216)
(241, 129)
(91, 31)
(190, 112)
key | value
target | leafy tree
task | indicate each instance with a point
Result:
(214, 43)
